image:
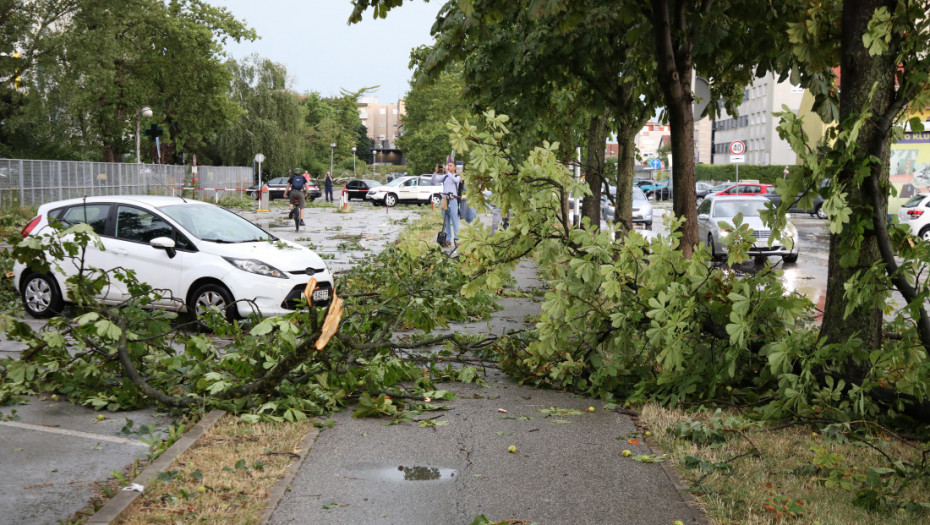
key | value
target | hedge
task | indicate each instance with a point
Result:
(766, 174)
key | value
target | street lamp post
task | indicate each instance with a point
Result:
(332, 148)
(144, 112)
(373, 161)
(353, 162)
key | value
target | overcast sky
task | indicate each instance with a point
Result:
(323, 53)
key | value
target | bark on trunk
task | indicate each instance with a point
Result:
(674, 70)
(626, 160)
(594, 169)
(859, 72)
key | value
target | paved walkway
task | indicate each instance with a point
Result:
(567, 467)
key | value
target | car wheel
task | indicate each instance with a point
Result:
(925, 234)
(208, 295)
(710, 244)
(436, 200)
(253, 195)
(390, 200)
(793, 258)
(649, 225)
(41, 297)
(821, 214)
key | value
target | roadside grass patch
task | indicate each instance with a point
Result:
(742, 471)
(228, 472)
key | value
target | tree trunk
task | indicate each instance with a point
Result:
(594, 168)
(860, 72)
(626, 160)
(674, 70)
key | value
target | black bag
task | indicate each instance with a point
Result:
(297, 182)
(441, 237)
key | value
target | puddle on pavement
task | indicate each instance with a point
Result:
(403, 473)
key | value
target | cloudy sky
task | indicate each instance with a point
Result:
(323, 53)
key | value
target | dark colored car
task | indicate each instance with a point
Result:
(276, 187)
(658, 189)
(358, 189)
(701, 189)
(816, 208)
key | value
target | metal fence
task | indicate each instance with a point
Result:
(34, 182)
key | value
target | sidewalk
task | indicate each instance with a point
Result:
(567, 468)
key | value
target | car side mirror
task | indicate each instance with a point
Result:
(164, 243)
(703, 217)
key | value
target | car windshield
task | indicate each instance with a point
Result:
(639, 198)
(732, 208)
(721, 187)
(212, 223)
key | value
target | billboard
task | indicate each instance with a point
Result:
(910, 167)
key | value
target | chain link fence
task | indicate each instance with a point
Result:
(33, 182)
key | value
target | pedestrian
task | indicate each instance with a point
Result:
(296, 193)
(450, 194)
(328, 183)
(390, 177)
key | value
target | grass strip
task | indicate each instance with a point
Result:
(228, 472)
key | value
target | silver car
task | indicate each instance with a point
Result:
(915, 216)
(721, 208)
(642, 209)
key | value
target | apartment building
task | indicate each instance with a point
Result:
(755, 125)
(384, 121)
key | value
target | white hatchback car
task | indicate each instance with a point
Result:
(915, 215)
(197, 254)
(412, 190)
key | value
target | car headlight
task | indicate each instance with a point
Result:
(256, 266)
(724, 234)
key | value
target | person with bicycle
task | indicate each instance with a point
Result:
(296, 194)
(450, 193)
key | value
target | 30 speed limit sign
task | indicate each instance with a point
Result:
(737, 147)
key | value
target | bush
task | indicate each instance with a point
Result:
(765, 174)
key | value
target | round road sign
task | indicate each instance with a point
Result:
(737, 147)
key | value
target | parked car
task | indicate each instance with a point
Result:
(701, 189)
(748, 188)
(657, 190)
(412, 190)
(358, 189)
(276, 187)
(816, 208)
(642, 209)
(915, 216)
(723, 208)
(198, 254)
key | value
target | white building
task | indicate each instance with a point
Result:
(755, 125)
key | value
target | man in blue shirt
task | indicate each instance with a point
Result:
(450, 187)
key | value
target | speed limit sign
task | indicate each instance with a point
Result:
(737, 147)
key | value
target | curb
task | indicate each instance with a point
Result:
(284, 484)
(114, 508)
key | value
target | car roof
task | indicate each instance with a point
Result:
(154, 201)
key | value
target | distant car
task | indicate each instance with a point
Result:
(723, 208)
(411, 190)
(915, 216)
(358, 189)
(642, 210)
(701, 189)
(748, 189)
(198, 254)
(657, 190)
(816, 208)
(276, 187)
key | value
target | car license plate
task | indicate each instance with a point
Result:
(639, 226)
(320, 295)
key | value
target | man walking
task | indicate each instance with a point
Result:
(328, 186)
(450, 186)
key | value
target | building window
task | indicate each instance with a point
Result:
(394, 111)
(382, 111)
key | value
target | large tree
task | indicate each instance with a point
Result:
(104, 61)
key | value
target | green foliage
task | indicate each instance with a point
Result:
(636, 320)
(764, 174)
(264, 369)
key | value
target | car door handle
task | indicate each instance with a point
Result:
(119, 251)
